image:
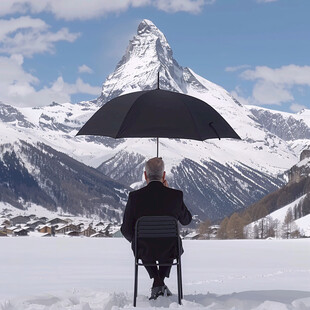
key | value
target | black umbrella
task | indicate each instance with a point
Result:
(160, 114)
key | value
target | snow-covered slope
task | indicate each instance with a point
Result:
(217, 177)
(278, 217)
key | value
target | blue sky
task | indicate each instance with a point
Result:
(61, 51)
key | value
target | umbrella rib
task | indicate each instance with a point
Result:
(192, 117)
(211, 125)
(123, 121)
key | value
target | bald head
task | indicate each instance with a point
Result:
(154, 169)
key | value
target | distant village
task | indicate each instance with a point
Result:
(62, 226)
(31, 225)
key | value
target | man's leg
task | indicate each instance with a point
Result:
(164, 271)
(153, 273)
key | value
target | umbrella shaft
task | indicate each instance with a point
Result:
(157, 146)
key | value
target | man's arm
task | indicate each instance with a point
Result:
(185, 216)
(127, 227)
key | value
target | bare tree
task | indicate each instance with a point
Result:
(287, 224)
(222, 232)
(270, 227)
(277, 228)
(256, 231)
(204, 229)
(235, 227)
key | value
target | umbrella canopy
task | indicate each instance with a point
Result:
(158, 113)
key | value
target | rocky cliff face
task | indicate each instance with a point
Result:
(305, 154)
(302, 169)
(286, 126)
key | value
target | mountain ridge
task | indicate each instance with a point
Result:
(40, 175)
(206, 171)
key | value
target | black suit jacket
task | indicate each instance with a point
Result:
(155, 199)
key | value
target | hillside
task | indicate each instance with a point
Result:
(40, 175)
(288, 207)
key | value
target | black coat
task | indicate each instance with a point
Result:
(155, 199)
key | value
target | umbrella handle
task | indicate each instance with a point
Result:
(158, 82)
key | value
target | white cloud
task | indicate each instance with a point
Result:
(18, 87)
(237, 68)
(270, 93)
(275, 86)
(85, 69)
(295, 107)
(192, 6)
(83, 10)
(288, 75)
(28, 36)
(25, 22)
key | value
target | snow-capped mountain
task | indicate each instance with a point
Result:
(217, 177)
(287, 126)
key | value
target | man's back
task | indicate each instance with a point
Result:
(154, 200)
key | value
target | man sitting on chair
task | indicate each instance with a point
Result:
(155, 199)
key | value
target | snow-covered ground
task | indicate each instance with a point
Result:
(84, 274)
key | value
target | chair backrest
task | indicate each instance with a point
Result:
(160, 228)
(157, 227)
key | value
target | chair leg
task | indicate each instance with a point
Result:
(179, 282)
(135, 286)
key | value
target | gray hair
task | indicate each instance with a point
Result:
(155, 168)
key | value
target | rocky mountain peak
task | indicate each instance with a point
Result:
(149, 43)
(147, 27)
(147, 54)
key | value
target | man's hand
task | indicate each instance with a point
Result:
(165, 183)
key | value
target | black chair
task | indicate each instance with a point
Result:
(159, 227)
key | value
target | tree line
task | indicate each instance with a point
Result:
(257, 224)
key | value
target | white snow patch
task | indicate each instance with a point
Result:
(84, 274)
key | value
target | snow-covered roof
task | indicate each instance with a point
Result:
(43, 225)
(97, 234)
(19, 230)
(191, 235)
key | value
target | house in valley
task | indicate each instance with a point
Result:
(67, 228)
(73, 233)
(45, 229)
(20, 232)
(98, 235)
(3, 234)
(19, 220)
(57, 221)
(88, 231)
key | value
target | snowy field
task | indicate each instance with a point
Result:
(83, 274)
